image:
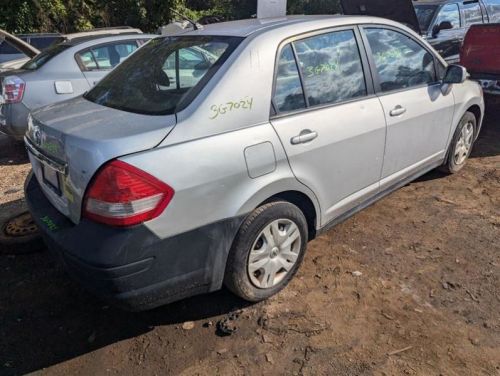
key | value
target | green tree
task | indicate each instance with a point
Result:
(66, 16)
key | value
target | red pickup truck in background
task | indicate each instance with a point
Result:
(480, 54)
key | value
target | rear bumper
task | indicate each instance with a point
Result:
(132, 267)
(14, 120)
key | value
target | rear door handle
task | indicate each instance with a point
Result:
(398, 110)
(305, 136)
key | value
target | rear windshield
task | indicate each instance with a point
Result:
(164, 75)
(43, 57)
(425, 15)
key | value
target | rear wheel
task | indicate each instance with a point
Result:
(461, 144)
(267, 251)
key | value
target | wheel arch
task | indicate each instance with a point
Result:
(293, 191)
(476, 110)
(304, 203)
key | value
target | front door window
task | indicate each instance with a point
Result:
(400, 61)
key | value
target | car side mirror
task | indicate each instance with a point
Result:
(444, 25)
(455, 74)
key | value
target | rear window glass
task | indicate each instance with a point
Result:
(43, 43)
(43, 57)
(164, 74)
(8, 49)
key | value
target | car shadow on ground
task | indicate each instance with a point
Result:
(46, 318)
(487, 144)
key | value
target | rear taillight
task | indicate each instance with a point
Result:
(13, 89)
(123, 195)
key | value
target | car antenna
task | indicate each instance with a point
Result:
(196, 25)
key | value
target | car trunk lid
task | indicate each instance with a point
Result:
(69, 141)
(396, 10)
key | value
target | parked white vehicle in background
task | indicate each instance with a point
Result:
(62, 72)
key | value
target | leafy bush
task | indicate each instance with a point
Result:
(30, 16)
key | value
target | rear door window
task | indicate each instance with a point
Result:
(450, 13)
(87, 60)
(106, 57)
(472, 13)
(319, 70)
(331, 68)
(400, 61)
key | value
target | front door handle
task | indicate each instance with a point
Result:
(398, 110)
(305, 136)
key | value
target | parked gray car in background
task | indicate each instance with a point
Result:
(155, 186)
(61, 72)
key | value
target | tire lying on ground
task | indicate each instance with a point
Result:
(20, 235)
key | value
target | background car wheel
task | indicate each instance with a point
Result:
(20, 235)
(267, 251)
(461, 144)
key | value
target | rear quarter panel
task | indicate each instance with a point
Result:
(211, 179)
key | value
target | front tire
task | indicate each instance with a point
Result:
(461, 144)
(267, 251)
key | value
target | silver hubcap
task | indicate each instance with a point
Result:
(274, 253)
(464, 143)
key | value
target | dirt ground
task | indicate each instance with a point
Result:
(409, 286)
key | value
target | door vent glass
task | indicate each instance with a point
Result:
(288, 95)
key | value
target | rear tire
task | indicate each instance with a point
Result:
(267, 251)
(461, 144)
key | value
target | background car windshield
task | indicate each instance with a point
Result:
(163, 74)
(43, 57)
(425, 14)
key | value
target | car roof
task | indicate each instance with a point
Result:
(253, 26)
(36, 35)
(96, 33)
(246, 27)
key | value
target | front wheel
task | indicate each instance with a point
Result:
(461, 144)
(267, 251)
